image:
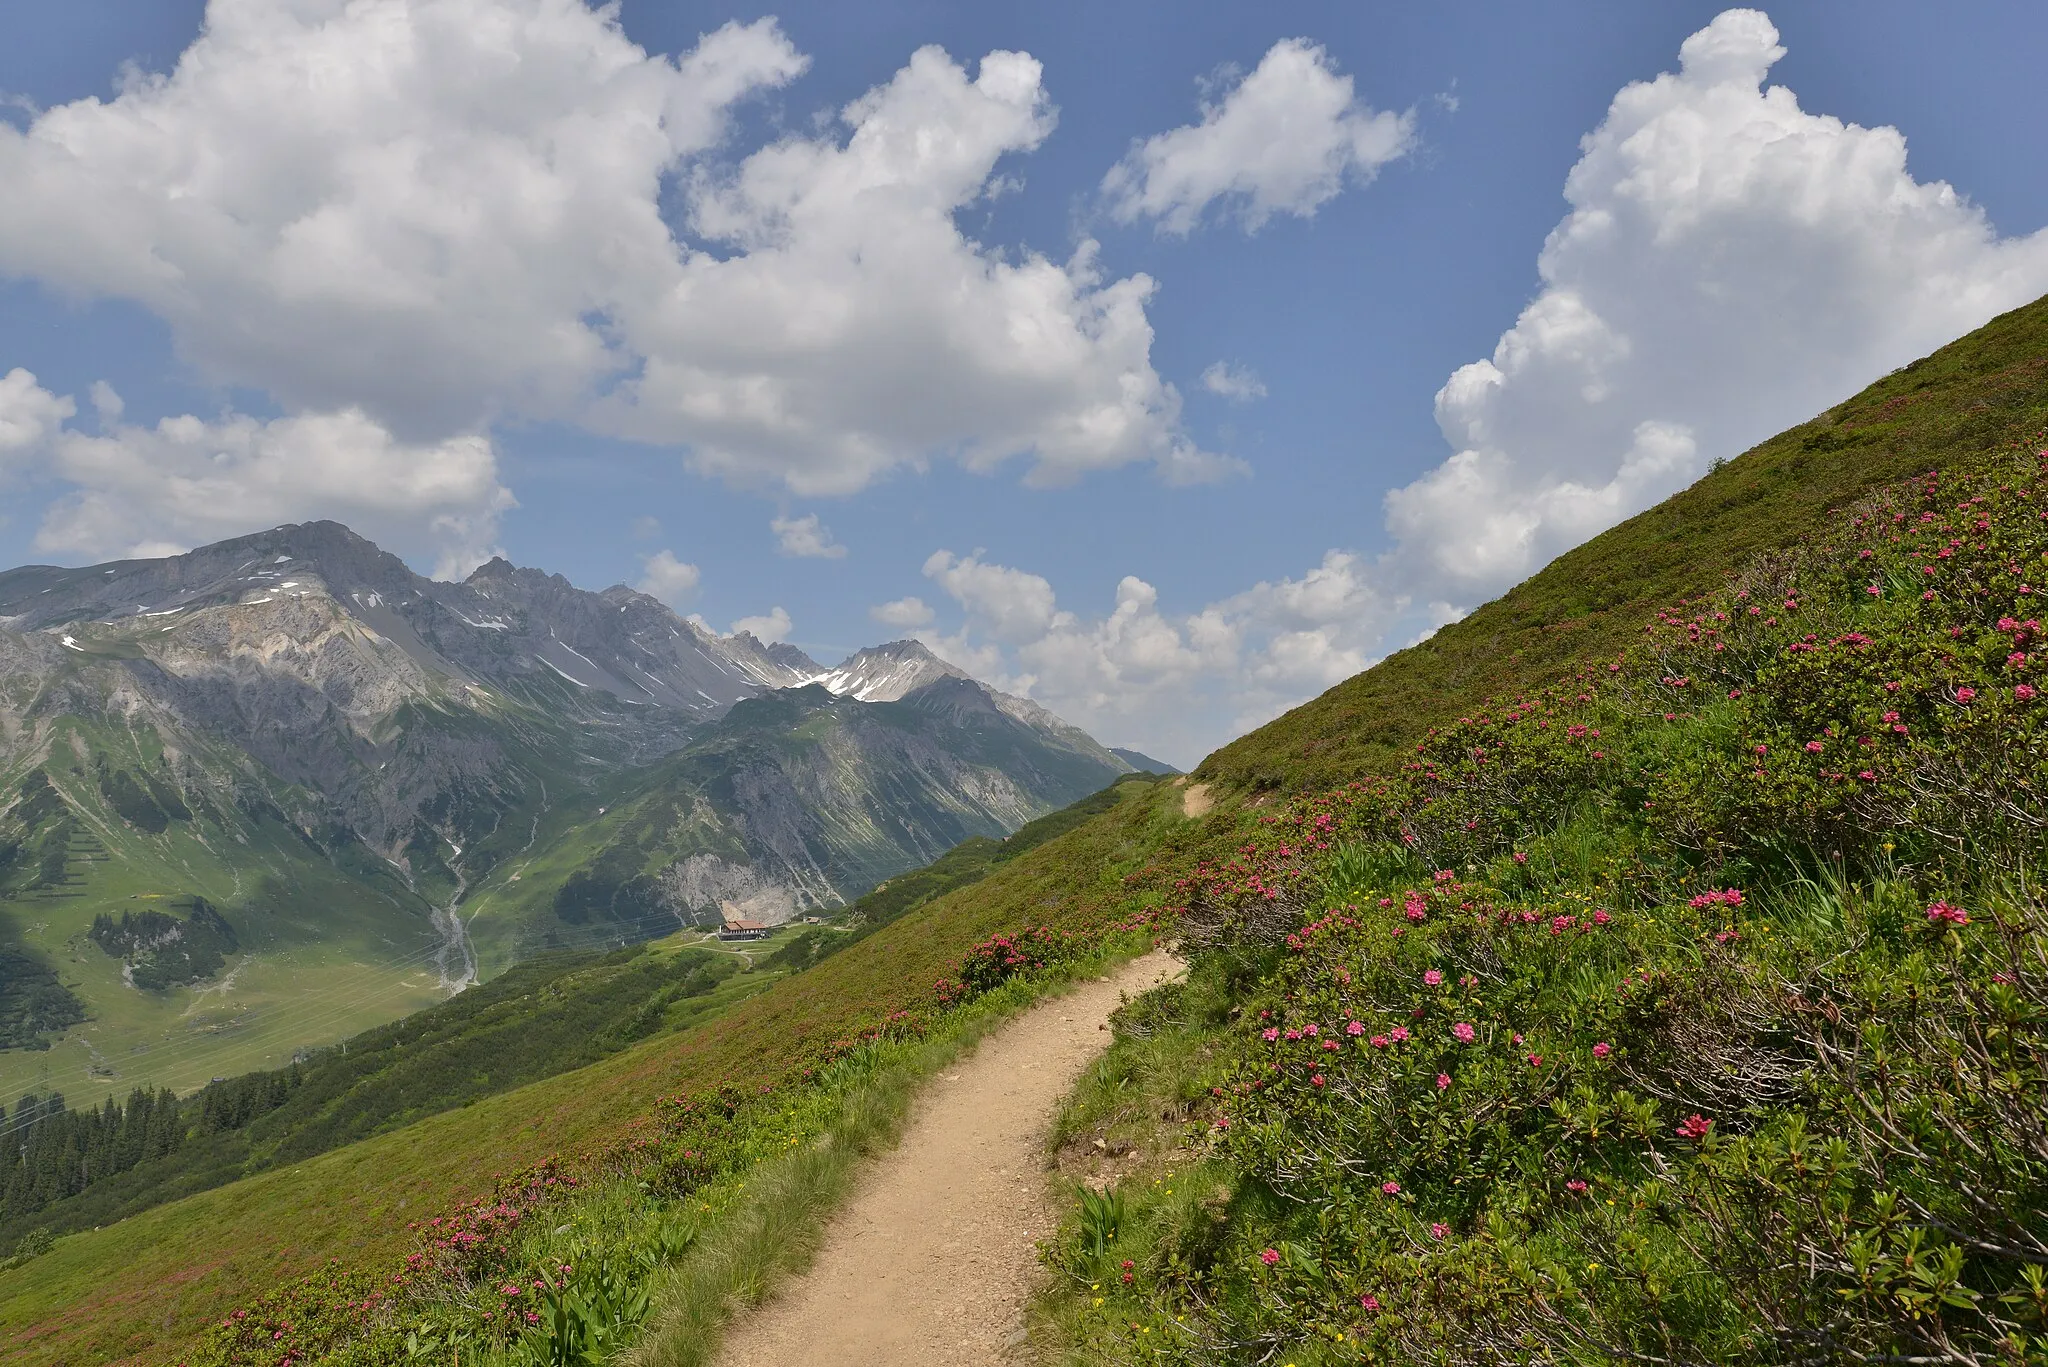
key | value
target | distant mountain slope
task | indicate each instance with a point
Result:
(794, 800)
(337, 756)
(1141, 762)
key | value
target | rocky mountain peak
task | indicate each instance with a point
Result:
(497, 567)
(498, 573)
(295, 557)
(887, 672)
(908, 671)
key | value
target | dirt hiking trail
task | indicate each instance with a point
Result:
(931, 1259)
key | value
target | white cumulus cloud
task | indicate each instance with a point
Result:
(1730, 265)
(1231, 382)
(1284, 140)
(769, 629)
(904, 614)
(851, 327)
(186, 481)
(161, 489)
(423, 207)
(30, 415)
(667, 578)
(806, 538)
(1013, 606)
(447, 213)
(1174, 684)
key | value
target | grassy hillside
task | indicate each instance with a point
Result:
(1693, 1008)
(149, 1282)
(102, 823)
(546, 1016)
(152, 1281)
(1951, 410)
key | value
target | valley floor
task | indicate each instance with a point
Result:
(932, 1259)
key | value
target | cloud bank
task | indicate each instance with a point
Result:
(444, 214)
(185, 481)
(1731, 265)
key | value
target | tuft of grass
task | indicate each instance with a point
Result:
(1159, 1206)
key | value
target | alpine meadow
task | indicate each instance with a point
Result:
(1594, 914)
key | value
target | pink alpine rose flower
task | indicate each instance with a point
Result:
(1941, 912)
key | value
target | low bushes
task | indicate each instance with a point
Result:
(1692, 1010)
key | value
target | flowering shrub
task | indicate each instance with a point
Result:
(300, 1322)
(1693, 1009)
(1001, 957)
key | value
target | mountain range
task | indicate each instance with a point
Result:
(324, 790)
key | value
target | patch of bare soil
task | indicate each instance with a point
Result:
(933, 1258)
(1196, 801)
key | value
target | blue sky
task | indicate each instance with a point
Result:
(333, 281)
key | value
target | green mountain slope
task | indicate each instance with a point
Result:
(550, 1015)
(789, 802)
(111, 822)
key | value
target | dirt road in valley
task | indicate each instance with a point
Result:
(931, 1260)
